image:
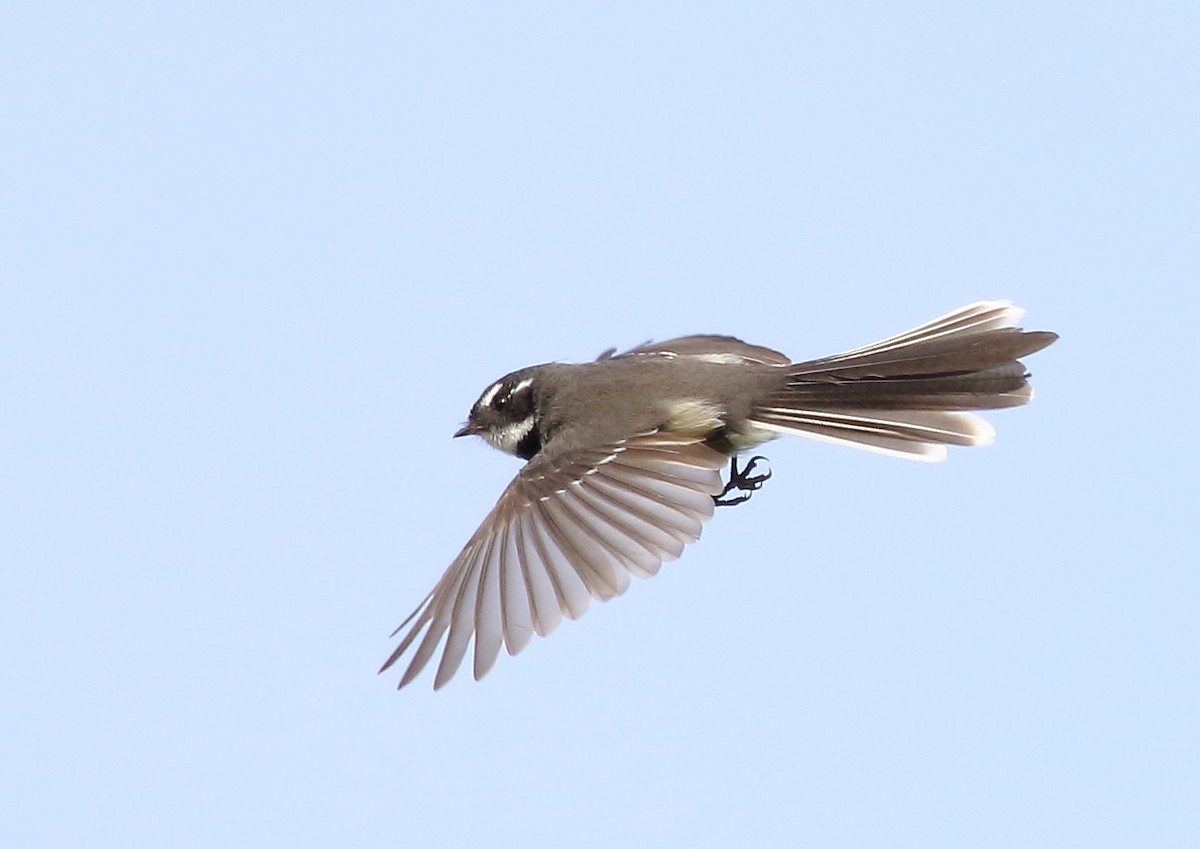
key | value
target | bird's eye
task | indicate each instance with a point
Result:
(501, 402)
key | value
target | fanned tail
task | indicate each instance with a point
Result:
(908, 395)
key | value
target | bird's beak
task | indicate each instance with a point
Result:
(465, 430)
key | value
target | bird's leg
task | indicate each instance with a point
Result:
(741, 480)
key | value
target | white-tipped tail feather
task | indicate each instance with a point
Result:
(972, 319)
(911, 435)
(909, 395)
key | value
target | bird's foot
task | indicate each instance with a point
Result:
(743, 481)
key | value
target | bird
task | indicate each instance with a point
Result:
(624, 457)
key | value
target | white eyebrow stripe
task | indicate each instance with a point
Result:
(524, 384)
(486, 399)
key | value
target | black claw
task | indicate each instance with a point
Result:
(743, 481)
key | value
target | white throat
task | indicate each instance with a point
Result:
(507, 438)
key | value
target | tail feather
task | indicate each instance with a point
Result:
(907, 395)
(987, 389)
(973, 319)
(909, 434)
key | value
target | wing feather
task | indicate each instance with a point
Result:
(566, 530)
(516, 596)
(489, 607)
(545, 599)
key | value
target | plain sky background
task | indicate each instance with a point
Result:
(258, 260)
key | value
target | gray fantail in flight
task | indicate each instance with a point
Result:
(625, 455)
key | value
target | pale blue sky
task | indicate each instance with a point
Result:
(257, 261)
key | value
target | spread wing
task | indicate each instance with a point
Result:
(569, 528)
